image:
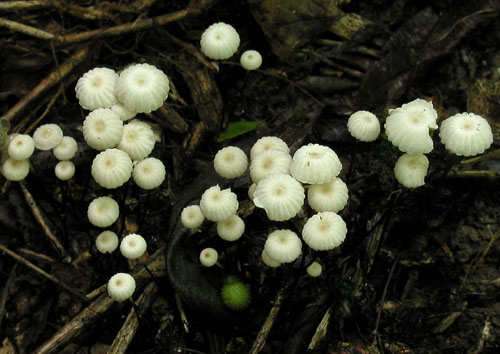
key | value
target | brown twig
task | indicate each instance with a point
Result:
(321, 330)
(129, 327)
(43, 273)
(40, 256)
(38, 216)
(22, 5)
(474, 174)
(76, 325)
(50, 81)
(28, 30)
(259, 342)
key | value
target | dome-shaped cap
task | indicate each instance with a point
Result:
(192, 217)
(112, 168)
(21, 147)
(364, 126)
(142, 88)
(217, 204)
(96, 88)
(251, 60)
(315, 164)
(64, 170)
(133, 246)
(466, 134)
(103, 211)
(137, 140)
(268, 162)
(314, 270)
(15, 170)
(149, 173)
(231, 229)
(283, 246)
(324, 231)
(47, 136)
(102, 129)
(230, 162)
(329, 196)
(219, 41)
(107, 241)
(121, 286)
(268, 143)
(66, 149)
(410, 170)
(280, 195)
(208, 257)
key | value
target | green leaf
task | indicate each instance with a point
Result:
(235, 129)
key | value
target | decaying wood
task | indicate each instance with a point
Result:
(28, 30)
(22, 5)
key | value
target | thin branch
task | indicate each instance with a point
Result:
(28, 30)
(22, 5)
(43, 273)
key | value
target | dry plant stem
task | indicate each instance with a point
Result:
(43, 273)
(21, 5)
(129, 327)
(485, 335)
(50, 81)
(37, 121)
(38, 216)
(488, 156)
(40, 256)
(474, 174)
(321, 330)
(76, 325)
(259, 342)
(180, 307)
(28, 30)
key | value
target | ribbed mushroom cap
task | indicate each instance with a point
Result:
(283, 246)
(133, 246)
(103, 211)
(47, 136)
(314, 270)
(330, 196)
(466, 134)
(112, 168)
(149, 173)
(102, 129)
(231, 229)
(315, 164)
(66, 149)
(15, 170)
(251, 60)
(64, 170)
(268, 261)
(230, 162)
(407, 127)
(410, 170)
(324, 231)
(121, 286)
(122, 111)
(364, 126)
(268, 162)
(268, 143)
(208, 257)
(138, 140)
(219, 41)
(107, 241)
(142, 88)
(96, 88)
(217, 204)
(21, 147)
(280, 195)
(192, 217)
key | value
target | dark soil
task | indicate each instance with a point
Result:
(419, 271)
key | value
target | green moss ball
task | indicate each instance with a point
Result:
(235, 294)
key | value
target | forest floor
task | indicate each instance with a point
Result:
(419, 270)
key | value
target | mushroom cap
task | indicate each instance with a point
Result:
(21, 147)
(268, 162)
(47, 136)
(315, 164)
(112, 168)
(466, 134)
(268, 143)
(122, 111)
(268, 261)
(251, 60)
(280, 195)
(96, 88)
(324, 231)
(407, 127)
(192, 217)
(64, 170)
(137, 140)
(106, 241)
(103, 211)
(283, 246)
(410, 170)
(217, 204)
(230, 162)
(329, 196)
(364, 126)
(142, 88)
(66, 149)
(102, 129)
(149, 173)
(219, 41)
(121, 286)
(314, 270)
(231, 229)
(133, 246)
(208, 257)
(15, 170)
